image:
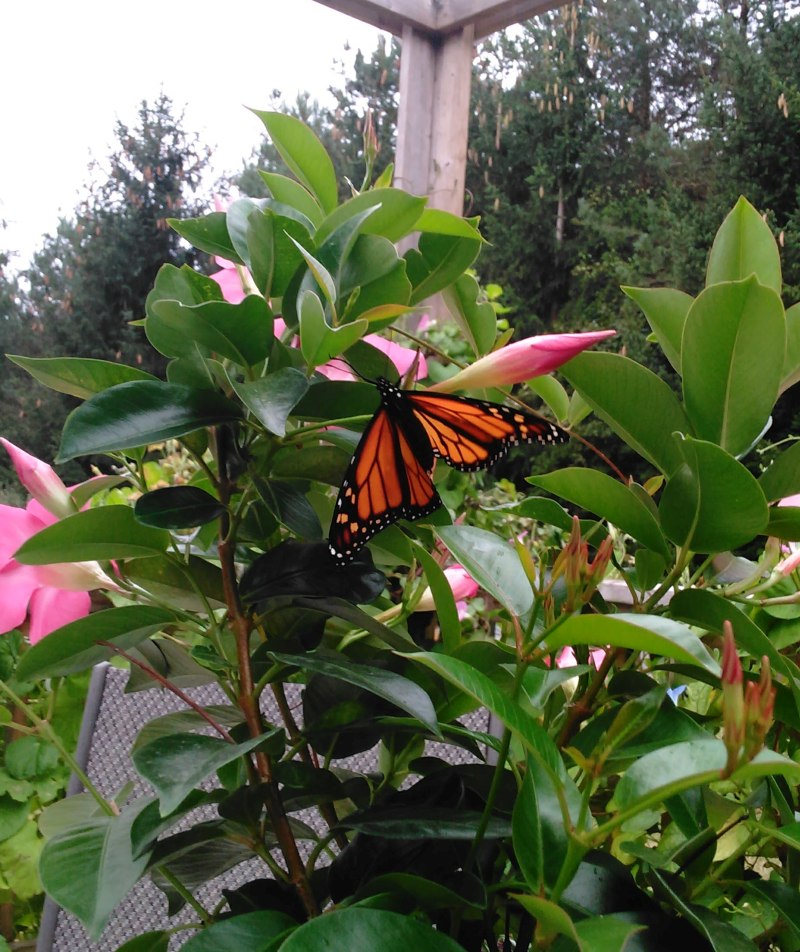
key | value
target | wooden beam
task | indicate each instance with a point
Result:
(489, 16)
(390, 15)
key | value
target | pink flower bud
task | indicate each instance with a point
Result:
(521, 360)
(41, 481)
(463, 586)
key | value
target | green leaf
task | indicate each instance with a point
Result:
(147, 942)
(608, 498)
(358, 929)
(446, 610)
(438, 262)
(784, 899)
(110, 532)
(138, 413)
(182, 284)
(290, 506)
(304, 154)
(392, 687)
(665, 310)
(784, 523)
(475, 316)
(288, 192)
(209, 234)
(319, 341)
(460, 891)
(782, 478)
(74, 647)
(78, 376)
(493, 564)
(791, 364)
(419, 822)
(397, 213)
(177, 763)
(606, 934)
(178, 585)
(272, 398)
(552, 392)
(701, 497)
(663, 773)
(744, 245)
(638, 405)
(177, 507)
(539, 836)
(13, 815)
(439, 222)
(551, 919)
(650, 633)
(734, 342)
(89, 869)
(241, 332)
(253, 931)
(30, 758)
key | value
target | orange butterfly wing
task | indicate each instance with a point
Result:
(385, 481)
(472, 434)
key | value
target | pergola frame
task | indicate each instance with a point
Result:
(438, 39)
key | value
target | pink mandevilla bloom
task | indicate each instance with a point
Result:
(463, 586)
(48, 596)
(522, 360)
(566, 657)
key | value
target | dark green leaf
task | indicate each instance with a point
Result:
(289, 505)
(13, 815)
(139, 413)
(272, 398)
(438, 262)
(177, 507)
(209, 234)
(78, 376)
(361, 929)
(74, 646)
(424, 822)
(782, 477)
(665, 310)
(110, 532)
(147, 942)
(253, 931)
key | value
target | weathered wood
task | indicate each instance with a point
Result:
(442, 17)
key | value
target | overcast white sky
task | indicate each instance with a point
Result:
(69, 70)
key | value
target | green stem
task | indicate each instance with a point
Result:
(186, 894)
(45, 730)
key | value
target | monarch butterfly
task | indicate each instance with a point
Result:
(389, 476)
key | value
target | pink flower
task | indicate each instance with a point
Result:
(521, 360)
(789, 564)
(232, 279)
(48, 596)
(463, 586)
(401, 357)
(566, 657)
(41, 481)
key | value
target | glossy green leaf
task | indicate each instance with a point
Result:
(179, 585)
(89, 869)
(327, 463)
(544, 510)
(319, 341)
(290, 506)
(147, 942)
(606, 934)
(782, 477)
(139, 413)
(209, 234)
(734, 341)
(651, 633)
(359, 928)
(438, 262)
(701, 496)
(74, 647)
(665, 310)
(474, 315)
(439, 222)
(784, 523)
(663, 773)
(446, 610)
(272, 398)
(253, 931)
(744, 245)
(608, 498)
(111, 532)
(288, 192)
(791, 363)
(182, 284)
(784, 898)
(241, 332)
(638, 405)
(460, 891)
(396, 214)
(635, 716)
(538, 833)
(304, 154)
(177, 763)
(177, 507)
(78, 376)
(419, 822)
(493, 564)
(552, 392)
(551, 919)
(395, 688)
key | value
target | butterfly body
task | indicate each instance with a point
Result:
(389, 477)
